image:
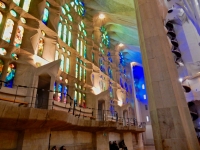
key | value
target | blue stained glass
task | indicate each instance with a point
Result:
(10, 76)
(139, 82)
(60, 92)
(45, 16)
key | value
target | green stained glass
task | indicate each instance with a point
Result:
(63, 11)
(26, 5)
(79, 27)
(61, 18)
(70, 17)
(13, 13)
(67, 65)
(16, 2)
(47, 3)
(72, 4)
(85, 33)
(67, 7)
(65, 34)
(45, 16)
(82, 24)
(62, 62)
(69, 38)
(85, 51)
(92, 57)
(84, 75)
(59, 30)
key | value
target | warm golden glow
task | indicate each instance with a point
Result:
(101, 16)
(96, 90)
(120, 103)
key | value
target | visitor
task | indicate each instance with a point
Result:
(122, 145)
(54, 148)
(115, 146)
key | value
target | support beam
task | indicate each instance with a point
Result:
(172, 125)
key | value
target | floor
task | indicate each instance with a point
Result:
(147, 148)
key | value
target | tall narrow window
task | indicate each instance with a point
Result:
(62, 62)
(67, 65)
(10, 75)
(45, 16)
(75, 96)
(16, 2)
(65, 34)
(59, 92)
(56, 55)
(65, 91)
(79, 98)
(19, 36)
(26, 5)
(80, 73)
(77, 67)
(40, 47)
(69, 38)
(8, 30)
(1, 17)
(1, 67)
(84, 76)
(59, 30)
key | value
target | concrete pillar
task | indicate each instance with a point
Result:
(172, 125)
(102, 140)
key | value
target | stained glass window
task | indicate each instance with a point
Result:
(23, 20)
(3, 51)
(79, 7)
(47, 3)
(14, 56)
(67, 65)
(16, 2)
(56, 55)
(45, 16)
(8, 30)
(10, 75)
(81, 43)
(13, 13)
(19, 36)
(110, 72)
(79, 98)
(2, 5)
(105, 38)
(26, 5)
(1, 67)
(40, 47)
(80, 73)
(65, 91)
(59, 92)
(62, 62)
(84, 75)
(75, 96)
(1, 17)
(59, 30)
(65, 34)
(69, 38)
(77, 68)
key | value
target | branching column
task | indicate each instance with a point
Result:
(172, 124)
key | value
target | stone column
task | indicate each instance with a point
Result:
(172, 124)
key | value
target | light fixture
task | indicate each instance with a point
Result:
(120, 45)
(180, 79)
(101, 16)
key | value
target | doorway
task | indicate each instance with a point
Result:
(42, 97)
(101, 112)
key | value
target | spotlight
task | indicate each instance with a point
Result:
(101, 16)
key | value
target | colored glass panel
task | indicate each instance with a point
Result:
(2, 5)
(3, 51)
(65, 34)
(19, 36)
(65, 91)
(69, 38)
(23, 20)
(48, 4)
(79, 98)
(14, 56)
(67, 65)
(13, 13)
(10, 75)
(40, 47)
(1, 67)
(77, 67)
(62, 62)
(16, 2)
(63, 10)
(84, 75)
(26, 5)
(8, 30)
(80, 73)
(59, 92)
(59, 30)
(77, 45)
(45, 16)
(70, 17)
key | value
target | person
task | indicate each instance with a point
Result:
(115, 146)
(110, 145)
(122, 145)
(54, 148)
(63, 148)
